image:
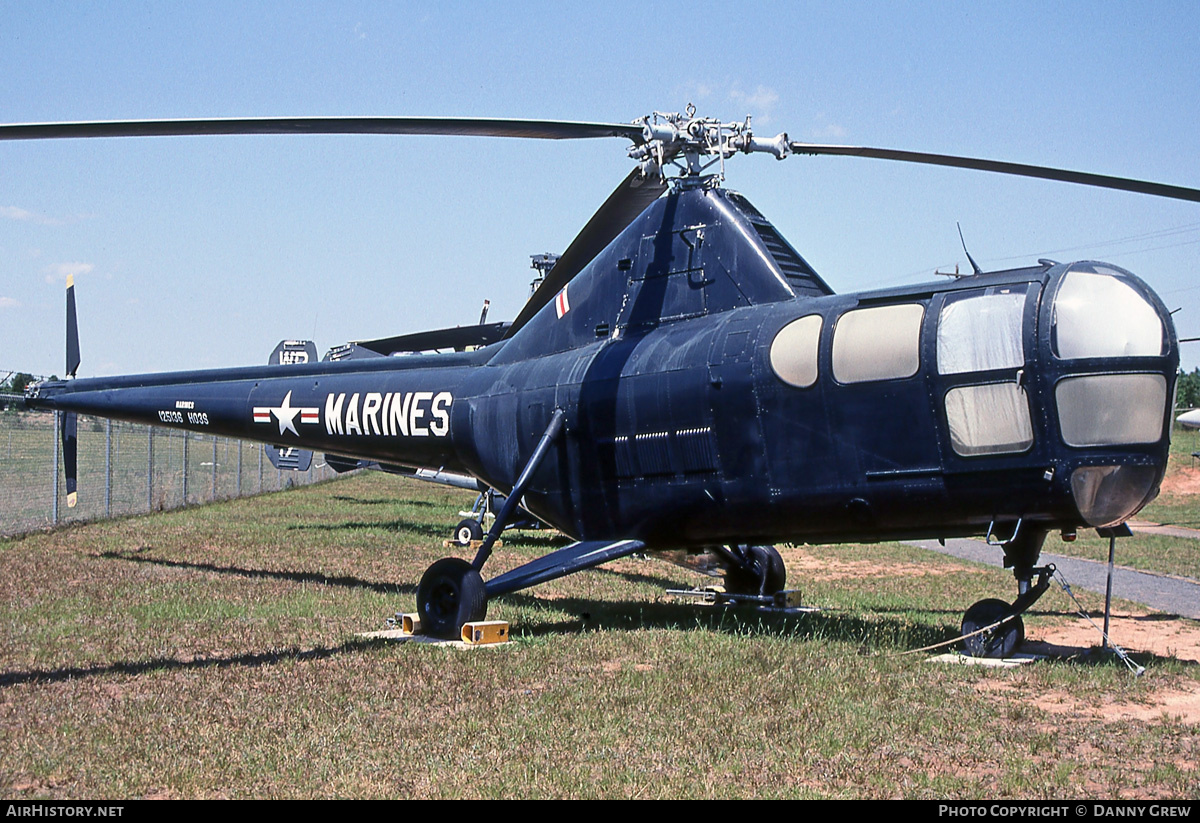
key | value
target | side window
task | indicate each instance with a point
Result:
(878, 343)
(989, 419)
(1111, 409)
(981, 333)
(794, 351)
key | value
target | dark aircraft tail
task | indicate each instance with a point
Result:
(290, 458)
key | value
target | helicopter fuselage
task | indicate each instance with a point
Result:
(716, 392)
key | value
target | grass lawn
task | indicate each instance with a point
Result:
(214, 652)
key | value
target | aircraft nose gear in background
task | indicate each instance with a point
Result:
(468, 530)
(993, 628)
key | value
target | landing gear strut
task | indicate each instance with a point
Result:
(452, 591)
(1005, 631)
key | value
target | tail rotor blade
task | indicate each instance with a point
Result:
(68, 429)
(69, 421)
(72, 329)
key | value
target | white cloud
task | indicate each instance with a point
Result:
(16, 213)
(60, 271)
(759, 103)
(8, 303)
(824, 129)
(829, 131)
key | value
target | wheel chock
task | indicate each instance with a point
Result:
(788, 599)
(485, 632)
(474, 544)
(410, 623)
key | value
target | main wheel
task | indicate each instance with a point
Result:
(1001, 641)
(468, 530)
(450, 594)
(766, 575)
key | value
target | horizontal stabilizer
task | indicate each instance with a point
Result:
(458, 338)
(342, 464)
(350, 351)
(575, 557)
(289, 458)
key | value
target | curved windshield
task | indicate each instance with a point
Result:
(1098, 315)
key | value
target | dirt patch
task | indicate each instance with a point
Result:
(1134, 632)
(1184, 481)
(1167, 704)
(827, 569)
(1178, 703)
(1142, 632)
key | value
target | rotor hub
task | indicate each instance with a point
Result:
(694, 144)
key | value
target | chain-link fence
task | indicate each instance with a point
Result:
(125, 468)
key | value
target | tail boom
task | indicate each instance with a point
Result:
(375, 409)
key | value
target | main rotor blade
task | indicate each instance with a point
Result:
(621, 208)
(457, 126)
(1021, 169)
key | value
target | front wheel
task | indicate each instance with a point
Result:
(451, 593)
(765, 574)
(999, 642)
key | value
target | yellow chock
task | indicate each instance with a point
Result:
(789, 599)
(474, 544)
(484, 632)
(410, 623)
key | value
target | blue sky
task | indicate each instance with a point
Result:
(202, 252)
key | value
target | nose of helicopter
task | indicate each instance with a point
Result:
(1115, 358)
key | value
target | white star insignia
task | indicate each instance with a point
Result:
(286, 415)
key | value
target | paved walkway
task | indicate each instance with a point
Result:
(1162, 528)
(1173, 595)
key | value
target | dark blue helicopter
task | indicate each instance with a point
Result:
(683, 379)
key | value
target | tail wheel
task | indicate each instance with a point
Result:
(764, 574)
(451, 593)
(999, 642)
(468, 530)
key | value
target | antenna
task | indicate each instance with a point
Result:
(974, 265)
